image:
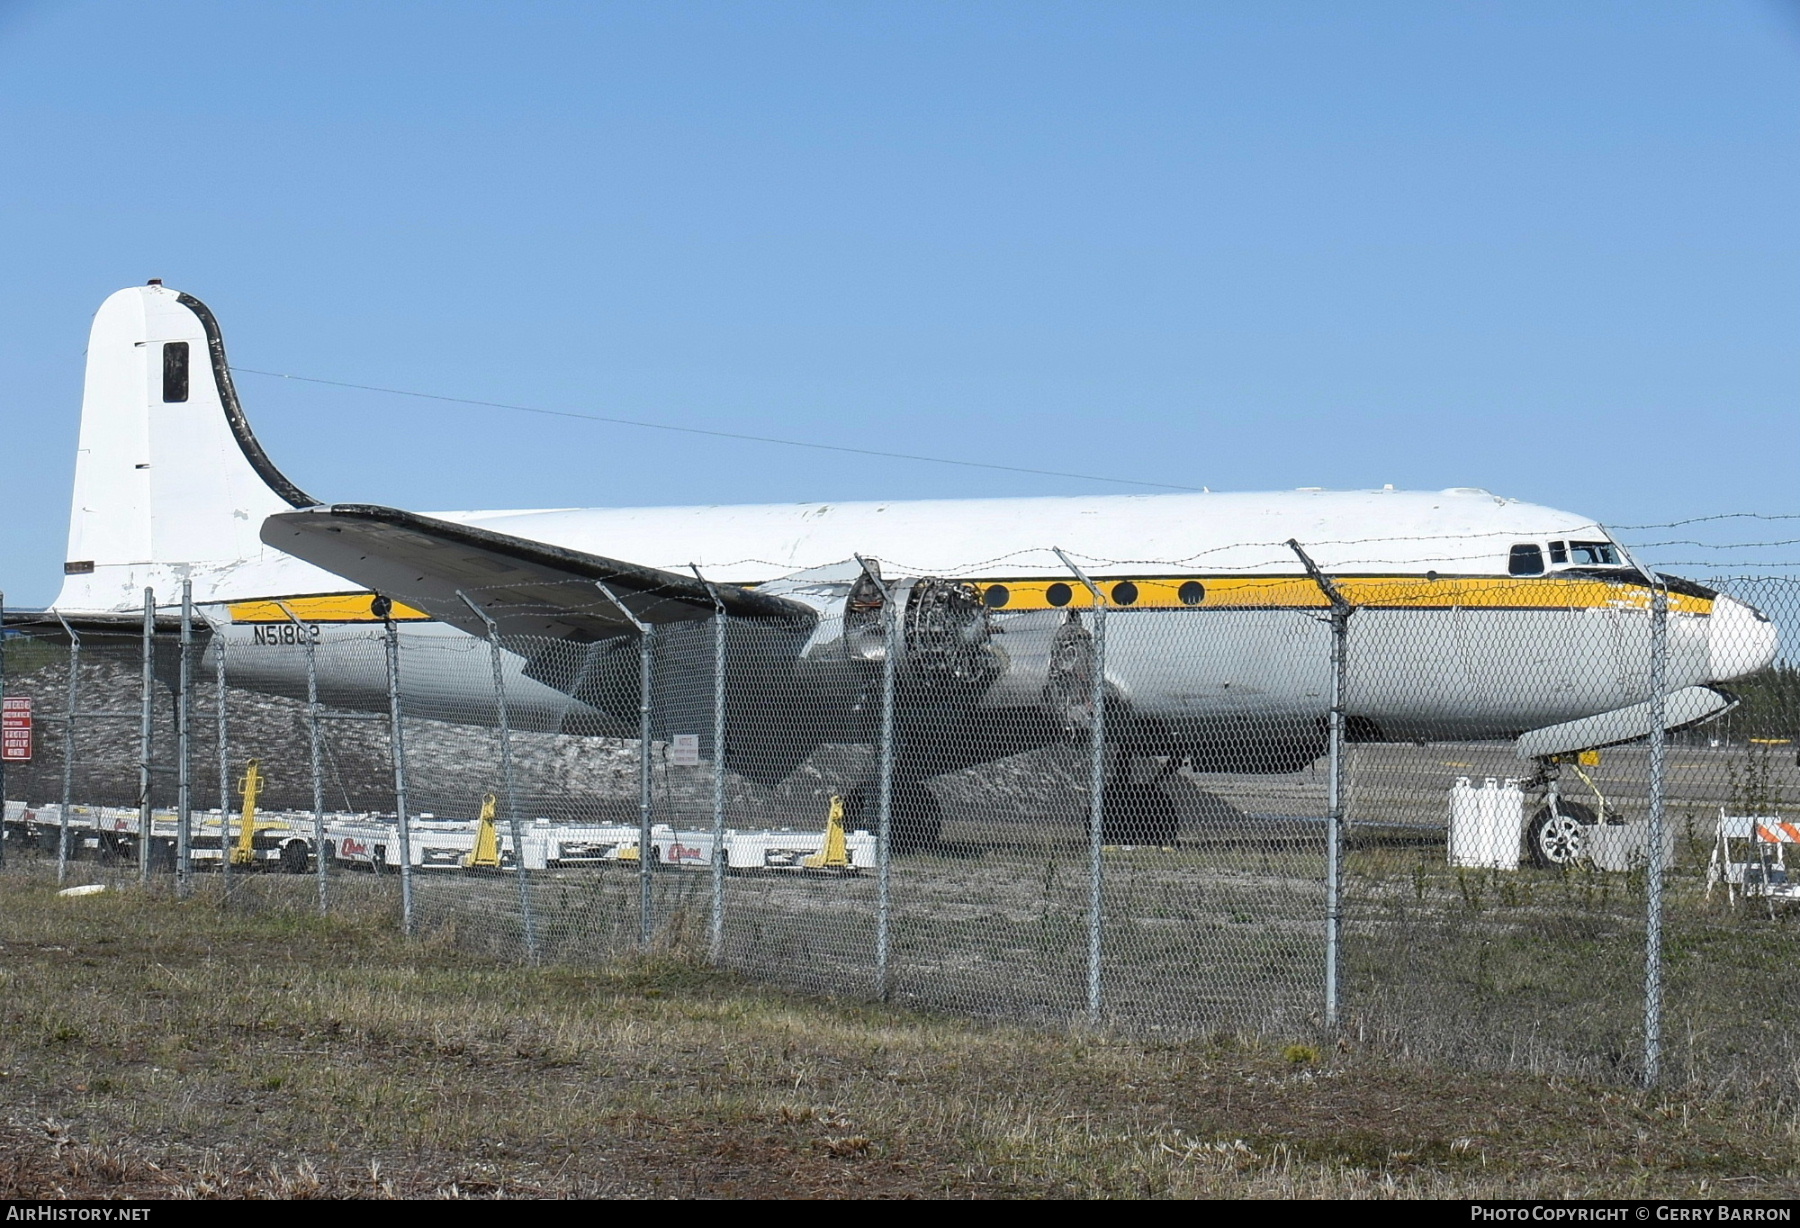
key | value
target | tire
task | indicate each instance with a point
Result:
(915, 821)
(1140, 814)
(295, 857)
(378, 859)
(1558, 837)
(162, 856)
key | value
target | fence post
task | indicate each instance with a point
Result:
(507, 779)
(315, 741)
(146, 745)
(2, 708)
(646, 850)
(715, 925)
(1653, 920)
(224, 757)
(68, 775)
(184, 835)
(646, 863)
(884, 790)
(1334, 822)
(1097, 791)
(399, 743)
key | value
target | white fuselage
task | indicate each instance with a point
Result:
(1477, 616)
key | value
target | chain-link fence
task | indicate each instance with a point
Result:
(1435, 815)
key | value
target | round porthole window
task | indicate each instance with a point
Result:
(996, 596)
(1058, 594)
(1191, 593)
(1124, 593)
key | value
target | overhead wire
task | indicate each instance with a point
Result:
(737, 435)
(921, 458)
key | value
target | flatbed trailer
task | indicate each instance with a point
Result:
(112, 833)
(284, 841)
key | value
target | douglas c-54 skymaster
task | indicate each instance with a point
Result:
(1477, 617)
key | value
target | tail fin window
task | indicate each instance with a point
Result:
(175, 371)
(1526, 560)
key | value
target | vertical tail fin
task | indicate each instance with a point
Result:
(169, 481)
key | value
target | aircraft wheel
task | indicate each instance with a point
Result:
(917, 824)
(1559, 837)
(915, 821)
(295, 859)
(1139, 814)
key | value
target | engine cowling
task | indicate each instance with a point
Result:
(945, 632)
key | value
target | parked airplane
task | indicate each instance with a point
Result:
(1476, 616)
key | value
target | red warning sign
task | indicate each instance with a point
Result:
(15, 728)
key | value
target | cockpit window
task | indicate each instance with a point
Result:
(1559, 553)
(1593, 554)
(1526, 560)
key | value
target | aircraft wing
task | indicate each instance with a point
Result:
(526, 587)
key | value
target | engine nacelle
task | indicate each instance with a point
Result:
(944, 629)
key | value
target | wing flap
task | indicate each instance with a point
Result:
(526, 587)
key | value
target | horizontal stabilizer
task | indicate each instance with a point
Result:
(1681, 709)
(526, 587)
(45, 625)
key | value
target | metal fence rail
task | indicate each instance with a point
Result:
(1269, 814)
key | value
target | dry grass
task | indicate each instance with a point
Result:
(151, 1048)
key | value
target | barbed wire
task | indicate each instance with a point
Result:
(1676, 524)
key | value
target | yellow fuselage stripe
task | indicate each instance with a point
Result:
(1364, 592)
(1169, 593)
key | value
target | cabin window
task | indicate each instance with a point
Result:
(1059, 594)
(1559, 553)
(1593, 554)
(1526, 560)
(175, 371)
(1192, 592)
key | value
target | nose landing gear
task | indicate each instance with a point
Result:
(1557, 834)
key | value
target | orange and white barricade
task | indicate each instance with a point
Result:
(1749, 856)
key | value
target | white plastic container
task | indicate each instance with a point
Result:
(1486, 824)
(1622, 847)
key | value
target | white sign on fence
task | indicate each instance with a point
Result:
(684, 750)
(15, 729)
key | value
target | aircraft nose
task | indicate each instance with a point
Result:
(1740, 640)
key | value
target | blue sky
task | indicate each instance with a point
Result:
(1550, 249)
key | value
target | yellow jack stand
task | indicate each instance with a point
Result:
(486, 854)
(244, 852)
(832, 854)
